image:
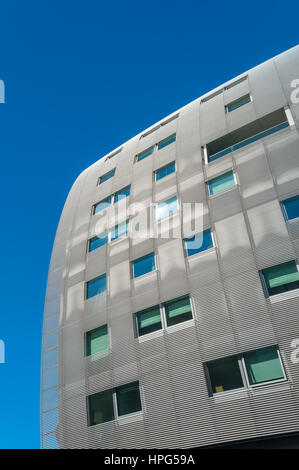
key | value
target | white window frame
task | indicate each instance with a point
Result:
(145, 274)
(164, 166)
(168, 215)
(226, 189)
(200, 252)
(227, 111)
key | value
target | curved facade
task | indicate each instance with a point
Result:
(151, 342)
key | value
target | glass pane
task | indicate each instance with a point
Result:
(51, 340)
(164, 209)
(221, 182)
(144, 265)
(178, 311)
(100, 407)
(122, 194)
(149, 320)
(128, 399)
(97, 340)
(107, 176)
(102, 205)
(238, 102)
(165, 171)
(145, 153)
(97, 242)
(50, 399)
(120, 230)
(291, 206)
(51, 358)
(200, 242)
(281, 275)
(263, 365)
(163, 143)
(225, 374)
(96, 286)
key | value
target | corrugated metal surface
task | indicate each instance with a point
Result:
(231, 313)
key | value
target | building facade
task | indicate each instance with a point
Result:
(161, 341)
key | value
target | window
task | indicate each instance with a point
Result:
(236, 82)
(145, 153)
(263, 365)
(164, 171)
(224, 374)
(237, 103)
(199, 242)
(97, 340)
(164, 315)
(102, 205)
(110, 404)
(178, 311)
(249, 369)
(143, 265)
(122, 194)
(245, 135)
(222, 182)
(97, 242)
(280, 278)
(163, 143)
(113, 154)
(166, 208)
(120, 230)
(227, 87)
(128, 399)
(106, 176)
(148, 320)
(291, 208)
(150, 131)
(96, 286)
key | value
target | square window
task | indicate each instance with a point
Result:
(128, 399)
(224, 374)
(148, 320)
(263, 365)
(222, 182)
(199, 242)
(97, 242)
(291, 208)
(280, 278)
(237, 103)
(100, 407)
(166, 208)
(106, 176)
(120, 230)
(122, 194)
(144, 265)
(102, 205)
(163, 143)
(96, 286)
(97, 340)
(165, 171)
(145, 153)
(178, 311)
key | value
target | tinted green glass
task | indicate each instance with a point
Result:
(100, 407)
(225, 374)
(178, 311)
(263, 365)
(282, 277)
(222, 182)
(97, 340)
(149, 320)
(128, 399)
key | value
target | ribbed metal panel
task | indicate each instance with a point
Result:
(231, 313)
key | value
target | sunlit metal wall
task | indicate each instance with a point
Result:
(231, 312)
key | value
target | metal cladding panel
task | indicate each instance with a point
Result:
(231, 314)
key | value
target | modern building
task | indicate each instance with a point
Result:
(162, 343)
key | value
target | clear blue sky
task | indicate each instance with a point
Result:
(81, 78)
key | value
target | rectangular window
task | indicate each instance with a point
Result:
(120, 230)
(110, 404)
(96, 286)
(199, 242)
(263, 365)
(101, 407)
(291, 208)
(106, 176)
(224, 374)
(143, 265)
(148, 320)
(245, 135)
(97, 242)
(280, 278)
(222, 182)
(97, 340)
(163, 143)
(237, 103)
(164, 171)
(178, 311)
(145, 153)
(102, 205)
(113, 154)
(122, 194)
(236, 82)
(128, 399)
(166, 208)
